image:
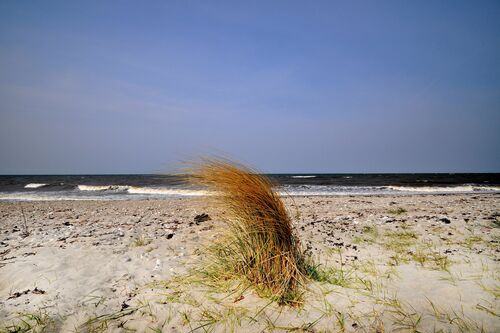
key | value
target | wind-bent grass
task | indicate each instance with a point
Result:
(259, 243)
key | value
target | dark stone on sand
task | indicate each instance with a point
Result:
(170, 236)
(66, 223)
(445, 220)
(38, 291)
(202, 218)
(18, 294)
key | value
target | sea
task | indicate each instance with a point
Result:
(158, 186)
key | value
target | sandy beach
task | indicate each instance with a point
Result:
(427, 263)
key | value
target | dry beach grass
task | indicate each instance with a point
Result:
(260, 243)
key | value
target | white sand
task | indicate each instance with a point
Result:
(86, 259)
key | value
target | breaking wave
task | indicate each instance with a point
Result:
(329, 190)
(34, 185)
(102, 188)
(166, 191)
(445, 189)
(305, 176)
(143, 190)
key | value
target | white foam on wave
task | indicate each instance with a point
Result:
(305, 176)
(445, 189)
(102, 188)
(144, 190)
(34, 185)
(328, 190)
(167, 191)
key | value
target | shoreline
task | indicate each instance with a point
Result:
(20, 197)
(394, 261)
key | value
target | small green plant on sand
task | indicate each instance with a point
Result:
(36, 322)
(472, 241)
(141, 241)
(369, 235)
(337, 275)
(396, 211)
(427, 256)
(399, 241)
(106, 322)
(259, 244)
(406, 247)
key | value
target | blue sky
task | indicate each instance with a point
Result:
(351, 86)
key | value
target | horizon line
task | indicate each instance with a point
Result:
(261, 173)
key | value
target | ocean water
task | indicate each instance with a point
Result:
(140, 187)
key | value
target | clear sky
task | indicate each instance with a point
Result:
(309, 86)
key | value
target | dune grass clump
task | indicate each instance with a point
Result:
(259, 243)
